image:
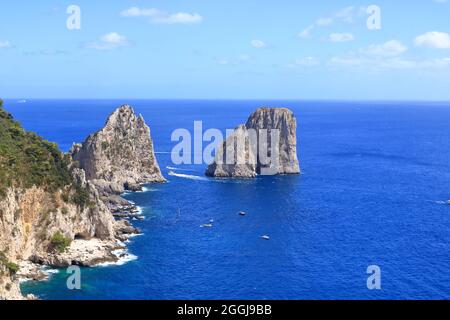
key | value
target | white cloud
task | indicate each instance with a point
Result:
(243, 58)
(109, 41)
(345, 61)
(258, 44)
(323, 22)
(56, 52)
(389, 49)
(346, 14)
(341, 37)
(162, 17)
(306, 33)
(433, 39)
(377, 56)
(5, 44)
(114, 38)
(397, 63)
(137, 12)
(307, 62)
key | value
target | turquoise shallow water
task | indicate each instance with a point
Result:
(375, 180)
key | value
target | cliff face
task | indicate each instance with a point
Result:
(282, 119)
(230, 161)
(9, 288)
(259, 127)
(46, 204)
(119, 156)
(31, 217)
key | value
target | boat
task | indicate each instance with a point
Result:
(265, 237)
(242, 213)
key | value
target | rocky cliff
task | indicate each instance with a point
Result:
(47, 207)
(232, 160)
(120, 156)
(246, 160)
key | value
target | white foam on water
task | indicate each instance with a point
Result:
(135, 235)
(179, 169)
(47, 271)
(139, 209)
(51, 271)
(188, 176)
(124, 257)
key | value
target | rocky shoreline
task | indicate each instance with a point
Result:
(118, 158)
(85, 252)
(85, 221)
(89, 222)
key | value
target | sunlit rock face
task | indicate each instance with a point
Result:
(121, 155)
(273, 128)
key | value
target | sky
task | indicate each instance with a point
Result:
(226, 49)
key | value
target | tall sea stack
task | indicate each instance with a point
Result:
(120, 156)
(247, 161)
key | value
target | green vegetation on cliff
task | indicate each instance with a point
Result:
(26, 159)
(59, 243)
(11, 267)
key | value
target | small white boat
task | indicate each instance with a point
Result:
(242, 213)
(265, 237)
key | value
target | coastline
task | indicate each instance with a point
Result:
(90, 253)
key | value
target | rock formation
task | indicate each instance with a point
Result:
(49, 212)
(119, 156)
(246, 160)
(240, 163)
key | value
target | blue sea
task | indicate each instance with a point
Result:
(374, 187)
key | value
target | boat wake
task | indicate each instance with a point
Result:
(179, 169)
(146, 189)
(188, 176)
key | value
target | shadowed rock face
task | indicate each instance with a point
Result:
(262, 120)
(243, 162)
(119, 156)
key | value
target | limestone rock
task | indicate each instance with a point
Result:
(282, 119)
(120, 155)
(240, 163)
(258, 130)
(31, 216)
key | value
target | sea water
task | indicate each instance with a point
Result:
(373, 190)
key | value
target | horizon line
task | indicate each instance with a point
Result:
(244, 99)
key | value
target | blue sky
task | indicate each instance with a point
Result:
(226, 49)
